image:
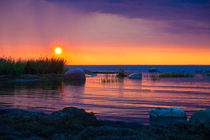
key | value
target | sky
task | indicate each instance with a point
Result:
(107, 32)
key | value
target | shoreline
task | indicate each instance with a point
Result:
(74, 123)
(143, 121)
(53, 76)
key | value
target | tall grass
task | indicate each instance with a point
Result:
(111, 78)
(122, 73)
(9, 66)
(208, 74)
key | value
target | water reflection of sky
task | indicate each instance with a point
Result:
(121, 99)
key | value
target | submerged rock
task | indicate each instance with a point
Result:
(135, 76)
(153, 70)
(167, 113)
(75, 74)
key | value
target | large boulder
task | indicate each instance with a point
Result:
(201, 117)
(21, 123)
(73, 119)
(160, 112)
(75, 74)
(135, 76)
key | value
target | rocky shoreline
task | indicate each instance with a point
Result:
(74, 75)
(77, 124)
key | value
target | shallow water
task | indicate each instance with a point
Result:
(120, 99)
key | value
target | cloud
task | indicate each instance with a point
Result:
(91, 29)
(158, 9)
(108, 22)
(178, 13)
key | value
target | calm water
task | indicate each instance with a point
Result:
(121, 99)
(145, 68)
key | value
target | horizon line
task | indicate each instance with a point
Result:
(139, 64)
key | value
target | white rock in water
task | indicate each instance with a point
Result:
(160, 112)
(75, 74)
(135, 76)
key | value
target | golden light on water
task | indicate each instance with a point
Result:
(58, 50)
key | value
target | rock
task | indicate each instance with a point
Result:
(63, 137)
(9, 137)
(135, 76)
(75, 115)
(167, 113)
(20, 115)
(27, 80)
(15, 114)
(8, 130)
(3, 76)
(121, 124)
(108, 132)
(153, 70)
(34, 138)
(75, 74)
(29, 76)
(75, 82)
(166, 121)
(201, 117)
(73, 119)
(70, 120)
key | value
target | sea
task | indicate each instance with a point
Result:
(111, 98)
(145, 68)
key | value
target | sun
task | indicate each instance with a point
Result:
(58, 50)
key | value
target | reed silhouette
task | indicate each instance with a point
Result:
(43, 65)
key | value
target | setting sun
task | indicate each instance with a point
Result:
(58, 50)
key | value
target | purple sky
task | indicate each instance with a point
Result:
(82, 25)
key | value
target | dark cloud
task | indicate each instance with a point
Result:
(160, 9)
(169, 17)
(186, 16)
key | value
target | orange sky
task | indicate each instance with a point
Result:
(142, 56)
(31, 29)
(119, 55)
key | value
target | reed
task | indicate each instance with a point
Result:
(9, 66)
(165, 75)
(208, 74)
(154, 77)
(122, 73)
(111, 78)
